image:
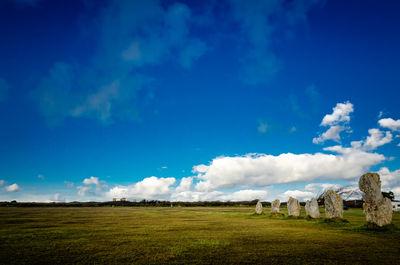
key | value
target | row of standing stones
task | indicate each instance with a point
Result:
(377, 209)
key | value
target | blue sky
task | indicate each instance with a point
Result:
(196, 100)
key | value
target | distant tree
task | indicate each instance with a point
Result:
(389, 195)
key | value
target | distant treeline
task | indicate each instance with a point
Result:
(144, 203)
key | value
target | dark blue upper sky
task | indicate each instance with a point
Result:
(126, 90)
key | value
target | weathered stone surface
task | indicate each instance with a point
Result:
(333, 205)
(275, 206)
(293, 207)
(259, 208)
(312, 208)
(377, 209)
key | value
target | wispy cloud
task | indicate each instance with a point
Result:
(259, 22)
(132, 35)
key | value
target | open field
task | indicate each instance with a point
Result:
(143, 235)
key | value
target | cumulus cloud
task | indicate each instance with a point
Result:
(297, 194)
(100, 184)
(341, 113)
(391, 124)
(390, 180)
(185, 184)
(336, 122)
(2, 182)
(321, 187)
(245, 195)
(333, 133)
(40, 176)
(376, 138)
(13, 188)
(148, 188)
(259, 170)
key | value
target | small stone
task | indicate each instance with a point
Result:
(293, 207)
(312, 209)
(333, 205)
(275, 206)
(377, 209)
(259, 208)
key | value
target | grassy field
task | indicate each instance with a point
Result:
(118, 235)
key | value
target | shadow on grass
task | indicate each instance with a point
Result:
(277, 215)
(375, 228)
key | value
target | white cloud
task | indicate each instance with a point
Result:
(336, 123)
(196, 196)
(185, 184)
(333, 133)
(245, 195)
(100, 184)
(389, 123)
(376, 139)
(390, 180)
(320, 187)
(341, 113)
(91, 180)
(83, 191)
(148, 188)
(297, 194)
(40, 176)
(13, 188)
(2, 182)
(259, 170)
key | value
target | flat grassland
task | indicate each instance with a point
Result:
(198, 235)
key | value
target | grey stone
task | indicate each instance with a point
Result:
(377, 209)
(259, 208)
(293, 207)
(275, 206)
(312, 208)
(333, 205)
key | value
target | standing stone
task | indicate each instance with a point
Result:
(275, 206)
(259, 208)
(377, 209)
(293, 207)
(312, 209)
(333, 205)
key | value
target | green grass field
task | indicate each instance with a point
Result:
(151, 235)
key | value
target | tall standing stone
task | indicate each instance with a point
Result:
(312, 208)
(293, 207)
(275, 206)
(377, 209)
(259, 208)
(333, 205)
